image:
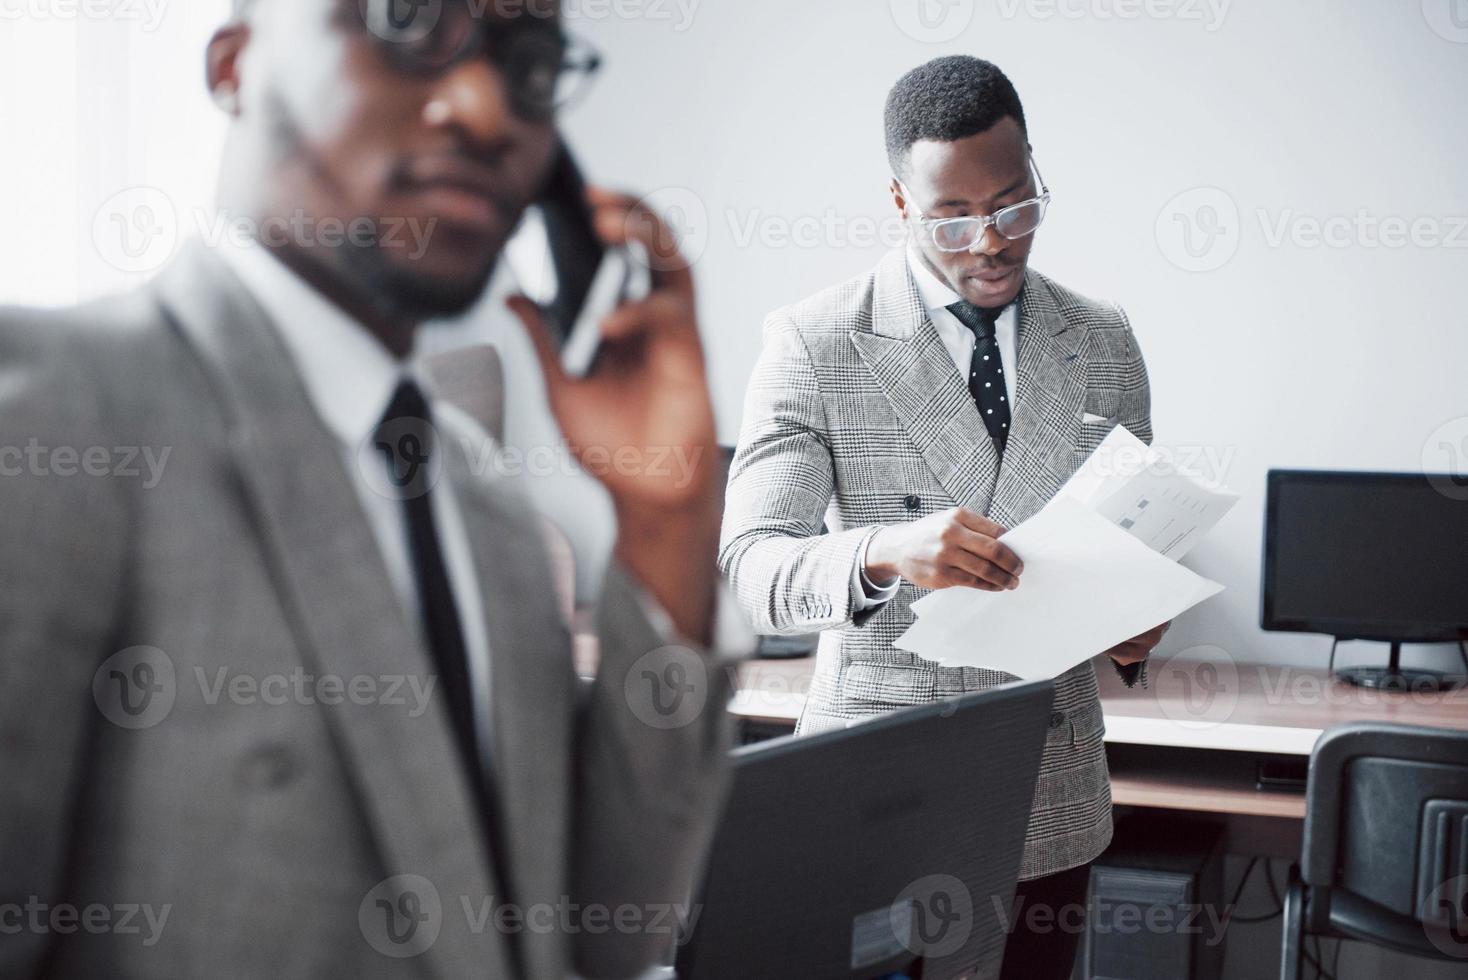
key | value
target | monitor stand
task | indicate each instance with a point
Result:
(1394, 677)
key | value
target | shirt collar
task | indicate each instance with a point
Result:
(349, 375)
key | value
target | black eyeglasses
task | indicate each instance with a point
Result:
(546, 69)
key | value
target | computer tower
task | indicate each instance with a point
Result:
(1157, 902)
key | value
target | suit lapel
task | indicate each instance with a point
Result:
(915, 372)
(335, 592)
(532, 687)
(1051, 383)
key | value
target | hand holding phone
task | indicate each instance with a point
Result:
(641, 421)
(575, 277)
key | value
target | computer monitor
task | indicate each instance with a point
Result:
(1370, 556)
(887, 848)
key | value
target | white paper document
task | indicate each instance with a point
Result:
(1138, 490)
(1100, 568)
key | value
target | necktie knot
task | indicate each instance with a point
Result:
(978, 319)
(406, 439)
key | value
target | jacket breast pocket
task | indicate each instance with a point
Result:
(1091, 435)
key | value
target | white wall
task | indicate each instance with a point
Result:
(760, 122)
(764, 113)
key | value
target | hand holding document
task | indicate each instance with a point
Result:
(1100, 568)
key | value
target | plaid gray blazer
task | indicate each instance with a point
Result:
(856, 416)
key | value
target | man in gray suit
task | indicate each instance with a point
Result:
(919, 411)
(284, 690)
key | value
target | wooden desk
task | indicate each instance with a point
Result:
(1209, 725)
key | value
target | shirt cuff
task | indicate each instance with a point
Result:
(866, 595)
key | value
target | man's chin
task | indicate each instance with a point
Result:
(991, 293)
(431, 289)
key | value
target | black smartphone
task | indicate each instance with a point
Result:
(562, 264)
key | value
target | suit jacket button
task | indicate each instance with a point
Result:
(1057, 719)
(912, 501)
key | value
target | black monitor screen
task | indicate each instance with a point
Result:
(1366, 555)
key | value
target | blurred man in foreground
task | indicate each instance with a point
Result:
(303, 705)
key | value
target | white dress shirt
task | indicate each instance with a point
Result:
(937, 296)
(350, 378)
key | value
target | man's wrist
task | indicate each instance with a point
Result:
(673, 555)
(878, 569)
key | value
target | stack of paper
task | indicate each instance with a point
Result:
(1100, 568)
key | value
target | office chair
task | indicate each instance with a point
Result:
(1385, 855)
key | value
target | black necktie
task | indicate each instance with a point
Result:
(406, 438)
(986, 370)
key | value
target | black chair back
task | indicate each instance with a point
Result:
(1385, 856)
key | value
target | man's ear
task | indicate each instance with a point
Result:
(899, 197)
(222, 65)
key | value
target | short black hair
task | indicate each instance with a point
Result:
(947, 99)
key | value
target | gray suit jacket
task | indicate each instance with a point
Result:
(287, 835)
(856, 416)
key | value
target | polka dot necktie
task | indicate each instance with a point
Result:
(986, 370)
